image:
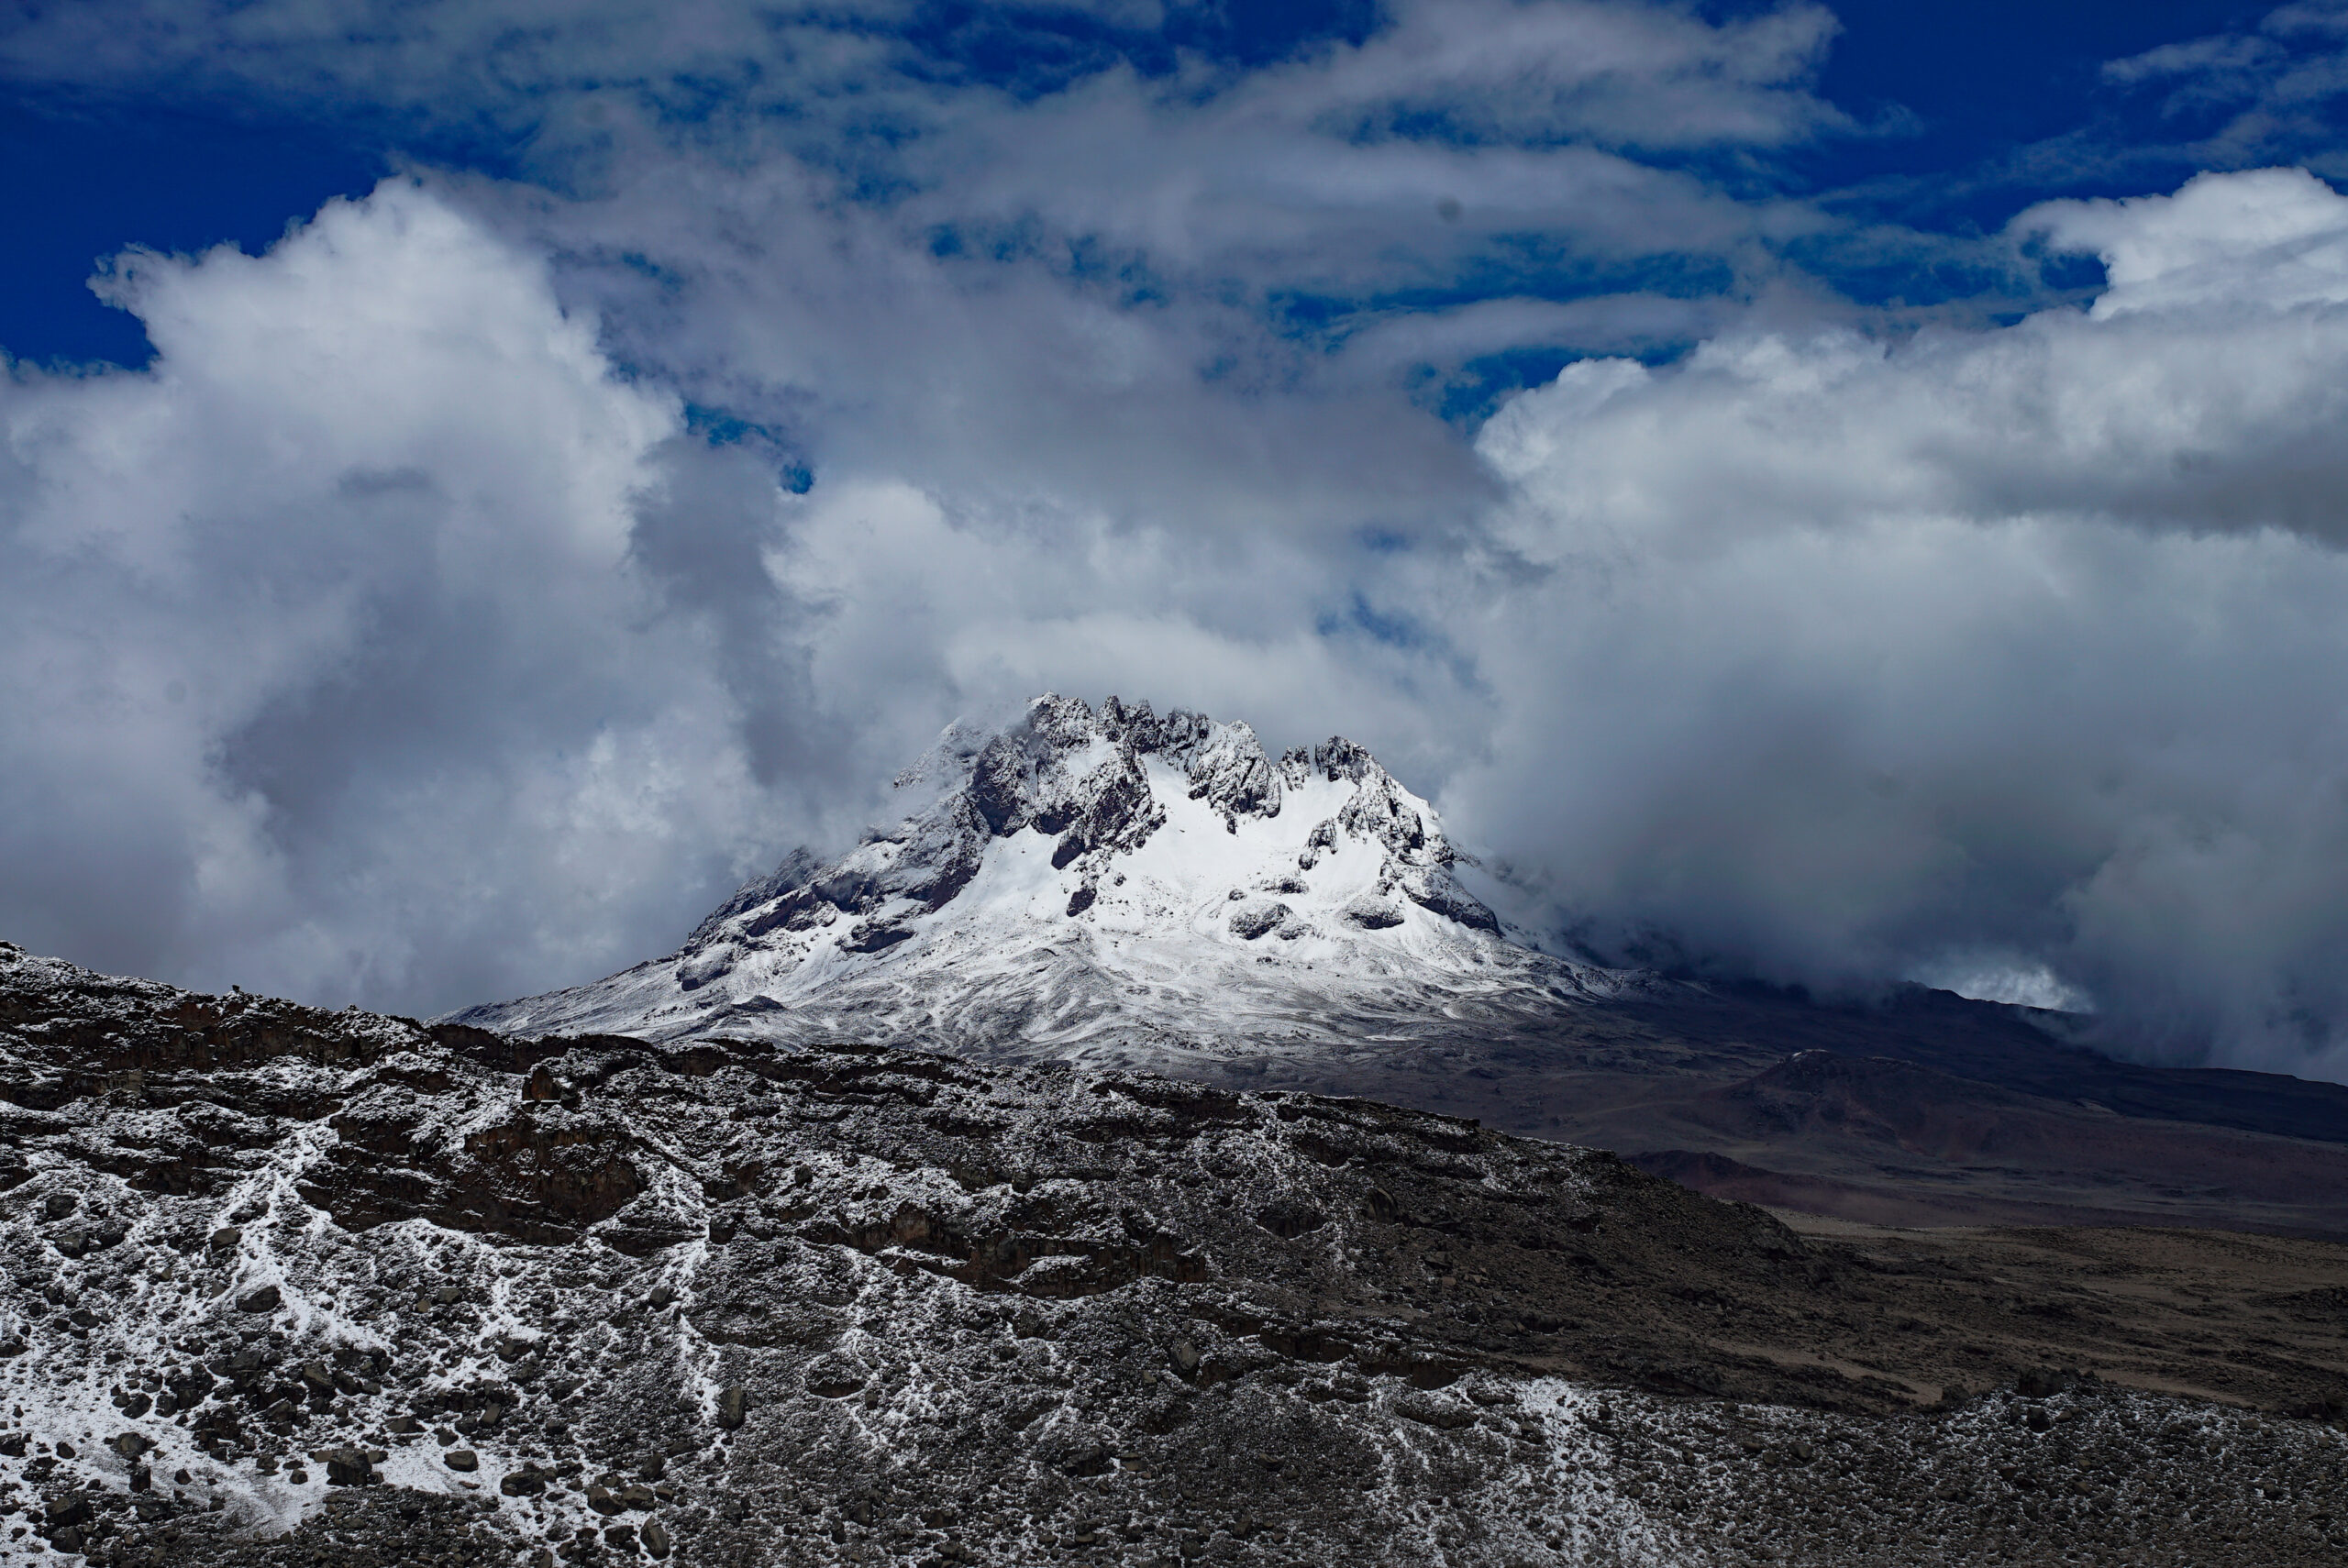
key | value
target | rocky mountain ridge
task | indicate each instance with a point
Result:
(287, 1287)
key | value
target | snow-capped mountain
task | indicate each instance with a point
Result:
(1109, 887)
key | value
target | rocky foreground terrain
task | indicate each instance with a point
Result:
(290, 1286)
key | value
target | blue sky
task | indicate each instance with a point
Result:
(1847, 494)
(1962, 115)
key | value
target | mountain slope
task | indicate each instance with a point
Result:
(1112, 889)
(286, 1287)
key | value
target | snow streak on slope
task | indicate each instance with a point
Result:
(1111, 888)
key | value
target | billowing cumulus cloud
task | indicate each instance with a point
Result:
(327, 665)
(2014, 649)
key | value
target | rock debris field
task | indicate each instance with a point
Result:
(287, 1287)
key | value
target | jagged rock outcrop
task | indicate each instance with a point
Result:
(284, 1286)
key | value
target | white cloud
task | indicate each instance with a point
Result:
(487, 673)
(1633, 75)
(2002, 977)
(326, 668)
(2203, 393)
(1845, 658)
(2267, 239)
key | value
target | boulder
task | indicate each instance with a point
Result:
(346, 1467)
(69, 1509)
(526, 1481)
(1252, 921)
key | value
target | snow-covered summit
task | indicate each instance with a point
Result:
(1101, 884)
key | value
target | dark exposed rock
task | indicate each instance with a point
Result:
(1289, 1220)
(529, 1481)
(64, 1512)
(347, 1466)
(873, 935)
(1435, 888)
(915, 1308)
(2044, 1382)
(1254, 920)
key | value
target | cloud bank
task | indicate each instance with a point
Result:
(2015, 647)
(326, 666)
(484, 577)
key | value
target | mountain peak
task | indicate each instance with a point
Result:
(1075, 877)
(1096, 785)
